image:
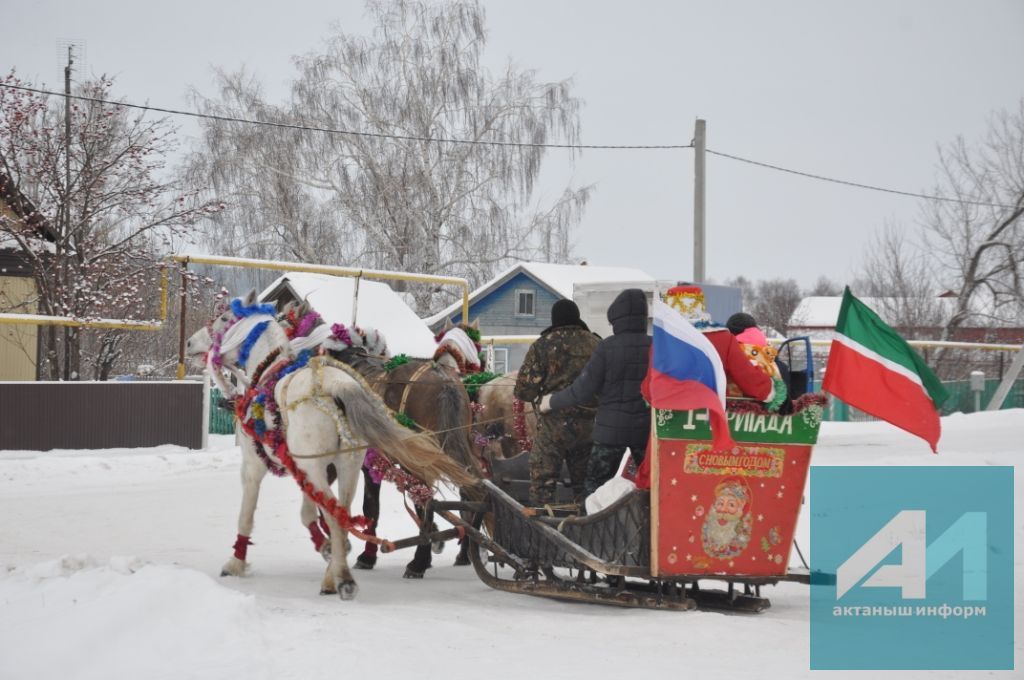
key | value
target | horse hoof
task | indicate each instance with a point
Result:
(366, 561)
(327, 591)
(234, 567)
(461, 560)
(411, 573)
(348, 590)
(437, 547)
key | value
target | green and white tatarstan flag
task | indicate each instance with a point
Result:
(872, 368)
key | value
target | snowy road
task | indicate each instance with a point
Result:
(110, 563)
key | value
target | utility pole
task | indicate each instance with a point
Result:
(66, 236)
(699, 148)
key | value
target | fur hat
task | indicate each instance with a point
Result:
(565, 313)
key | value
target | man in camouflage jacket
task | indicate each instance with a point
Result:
(553, 363)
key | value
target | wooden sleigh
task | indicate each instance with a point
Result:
(714, 528)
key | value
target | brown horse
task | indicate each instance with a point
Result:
(509, 425)
(432, 398)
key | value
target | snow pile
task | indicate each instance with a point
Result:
(76, 618)
(29, 470)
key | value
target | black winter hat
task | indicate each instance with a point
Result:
(565, 313)
(739, 322)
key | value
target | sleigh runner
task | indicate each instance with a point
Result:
(724, 516)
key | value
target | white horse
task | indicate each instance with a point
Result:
(456, 351)
(327, 415)
(255, 462)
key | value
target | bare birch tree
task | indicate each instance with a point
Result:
(900, 276)
(401, 195)
(978, 251)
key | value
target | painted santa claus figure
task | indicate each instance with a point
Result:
(727, 527)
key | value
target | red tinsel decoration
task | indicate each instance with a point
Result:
(756, 407)
(316, 535)
(519, 425)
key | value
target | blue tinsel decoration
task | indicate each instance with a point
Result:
(241, 312)
(299, 362)
(250, 340)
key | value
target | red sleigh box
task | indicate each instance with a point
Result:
(728, 512)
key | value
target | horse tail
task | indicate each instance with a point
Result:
(419, 453)
(454, 425)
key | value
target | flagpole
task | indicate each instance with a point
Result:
(655, 476)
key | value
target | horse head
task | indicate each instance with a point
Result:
(244, 333)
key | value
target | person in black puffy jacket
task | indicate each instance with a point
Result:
(614, 374)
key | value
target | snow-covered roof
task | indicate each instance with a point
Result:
(819, 312)
(379, 307)
(823, 312)
(560, 278)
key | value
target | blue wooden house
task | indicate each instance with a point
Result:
(518, 302)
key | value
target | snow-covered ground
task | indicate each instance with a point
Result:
(110, 563)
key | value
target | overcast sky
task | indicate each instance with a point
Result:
(860, 90)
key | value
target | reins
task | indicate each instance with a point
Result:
(413, 436)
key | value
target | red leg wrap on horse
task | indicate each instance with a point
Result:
(316, 535)
(242, 544)
(371, 548)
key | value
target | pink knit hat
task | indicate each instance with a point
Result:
(753, 336)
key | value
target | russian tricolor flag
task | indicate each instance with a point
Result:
(686, 372)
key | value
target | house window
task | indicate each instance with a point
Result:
(524, 303)
(500, 364)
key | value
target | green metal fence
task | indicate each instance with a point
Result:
(961, 399)
(222, 421)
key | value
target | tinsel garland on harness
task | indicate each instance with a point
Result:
(380, 468)
(473, 381)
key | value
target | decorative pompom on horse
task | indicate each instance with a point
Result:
(458, 348)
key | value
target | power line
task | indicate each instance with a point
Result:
(380, 135)
(352, 133)
(858, 184)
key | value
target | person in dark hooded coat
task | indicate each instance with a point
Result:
(614, 374)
